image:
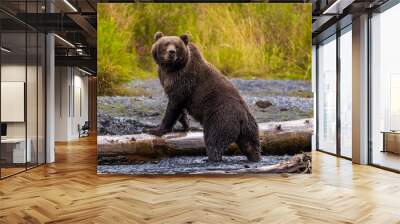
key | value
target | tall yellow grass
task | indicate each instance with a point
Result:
(254, 40)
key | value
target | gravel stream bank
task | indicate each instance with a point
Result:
(277, 100)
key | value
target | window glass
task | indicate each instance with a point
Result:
(15, 150)
(385, 88)
(22, 90)
(327, 96)
(346, 93)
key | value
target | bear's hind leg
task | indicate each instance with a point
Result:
(214, 153)
(249, 140)
(250, 148)
(218, 135)
(215, 146)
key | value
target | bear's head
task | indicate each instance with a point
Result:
(170, 52)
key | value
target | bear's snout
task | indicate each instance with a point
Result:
(171, 52)
(171, 55)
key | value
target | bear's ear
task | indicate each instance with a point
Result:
(185, 39)
(158, 35)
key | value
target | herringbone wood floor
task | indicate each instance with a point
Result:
(69, 191)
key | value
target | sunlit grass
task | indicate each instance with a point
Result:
(264, 41)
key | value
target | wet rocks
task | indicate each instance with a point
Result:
(271, 87)
(108, 125)
(263, 103)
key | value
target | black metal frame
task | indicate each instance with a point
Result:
(316, 97)
(338, 98)
(369, 98)
(44, 77)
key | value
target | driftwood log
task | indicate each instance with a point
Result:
(300, 163)
(277, 138)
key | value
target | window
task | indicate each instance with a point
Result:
(385, 88)
(346, 92)
(22, 88)
(327, 95)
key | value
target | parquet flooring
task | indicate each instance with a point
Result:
(11, 170)
(70, 191)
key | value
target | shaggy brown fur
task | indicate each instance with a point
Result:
(194, 85)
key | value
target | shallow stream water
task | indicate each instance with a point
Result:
(192, 165)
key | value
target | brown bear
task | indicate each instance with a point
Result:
(194, 85)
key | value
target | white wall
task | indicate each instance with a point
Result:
(62, 81)
(50, 95)
(71, 102)
(360, 89)
(80, 102)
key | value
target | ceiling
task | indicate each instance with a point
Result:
(332, 15)
(74, 22)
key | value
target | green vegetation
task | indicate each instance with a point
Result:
(265, 41)
(303, 94)
(117, 108)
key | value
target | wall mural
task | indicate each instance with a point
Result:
(204, 88)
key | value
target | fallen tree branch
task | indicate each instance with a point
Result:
(277, 138)
(300, 163)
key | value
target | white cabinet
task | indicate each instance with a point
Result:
(17, 147)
